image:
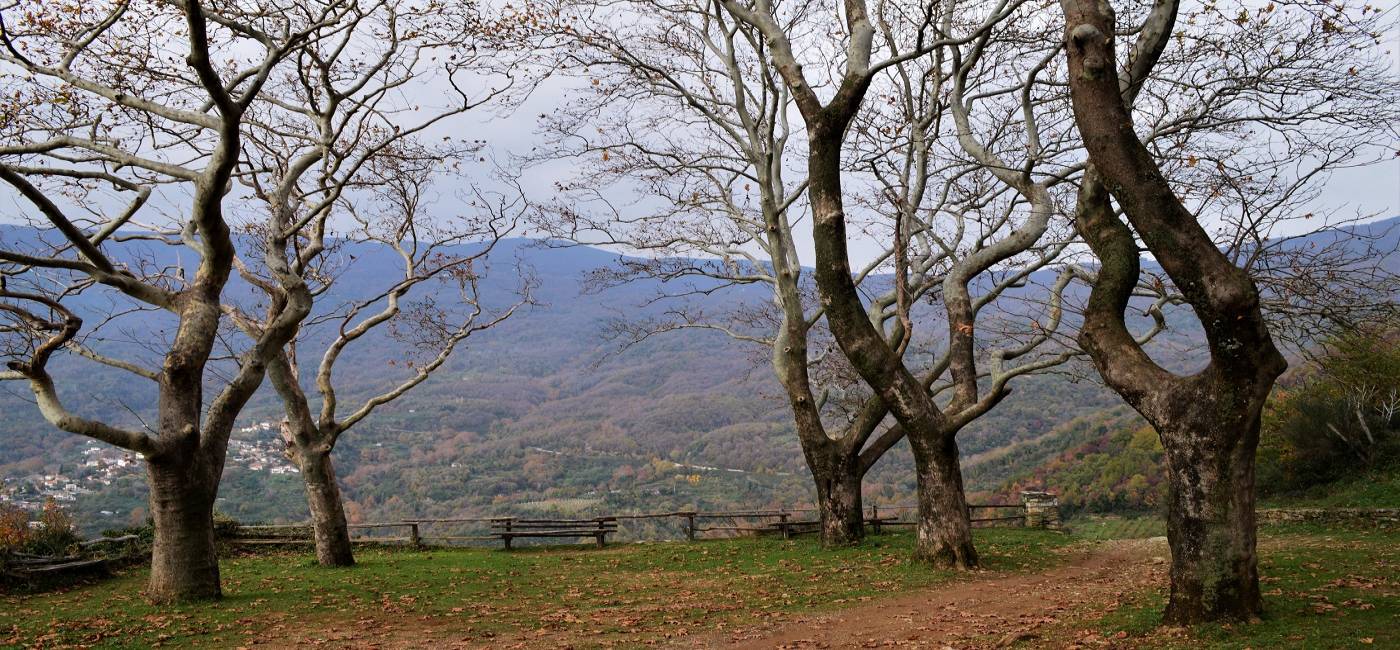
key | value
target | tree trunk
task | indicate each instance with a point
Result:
(1210, 520)
(945, 530)
(184, 563)
(1209, 421)
(327, 510)
(839, 502)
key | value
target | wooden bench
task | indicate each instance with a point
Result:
(23, 565)
(508, 529)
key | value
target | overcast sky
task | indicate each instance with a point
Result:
(1372, 190)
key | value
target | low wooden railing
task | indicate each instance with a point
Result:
(781, 521)
(301, 533)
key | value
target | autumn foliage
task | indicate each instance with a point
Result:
(51, 533)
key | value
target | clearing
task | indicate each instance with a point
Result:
(998, 609)
(1325, 588)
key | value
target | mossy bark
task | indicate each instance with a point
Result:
(1210, 515)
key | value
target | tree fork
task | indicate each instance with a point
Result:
(1208, 422)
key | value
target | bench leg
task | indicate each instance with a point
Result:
(507, 540)
(600, 540)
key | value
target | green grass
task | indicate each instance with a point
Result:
(1379, 488)
(1323, 588)
(1105, 527)
(624, 594)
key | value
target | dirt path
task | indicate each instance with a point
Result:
(989, 610)
(997, 611)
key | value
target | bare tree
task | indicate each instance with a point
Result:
(343, 166)
(428, 309)
(144, 98)
(944, 529)
(1208, 421)
(681, 111)
(685, 108)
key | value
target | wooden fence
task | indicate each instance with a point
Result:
(447, 531)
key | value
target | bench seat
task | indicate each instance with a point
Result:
(507, 530)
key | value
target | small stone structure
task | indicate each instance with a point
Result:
(1042, 509)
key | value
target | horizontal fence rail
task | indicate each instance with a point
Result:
(457, 531)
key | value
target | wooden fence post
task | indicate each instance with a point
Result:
(783, 524)
(875, 518)
(690, 526)
(413, 537)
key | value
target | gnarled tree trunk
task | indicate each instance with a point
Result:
(1208, 422)
(862, 343)
(839, 467)
(943, 516)
(838, 463)
(1210, 449)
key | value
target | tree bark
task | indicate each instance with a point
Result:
(1210, 508)
(184, 562)
(1209, 421)
(309, 446)
(945, 530)
(1208, 424)
(863, 344)
(328, 523)
(839, 502)
(836, 470)
(949, 533)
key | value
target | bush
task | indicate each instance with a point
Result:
(146, 534)
(52, 534)
(225, 527)
(14, 528)
(56, 533)
(1341, 419)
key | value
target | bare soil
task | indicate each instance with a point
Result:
(998, 610)
(983, 610)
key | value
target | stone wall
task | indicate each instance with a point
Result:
(1329, 515)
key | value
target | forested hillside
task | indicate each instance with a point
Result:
(548, 412)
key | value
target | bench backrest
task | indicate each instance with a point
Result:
(601, 525)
